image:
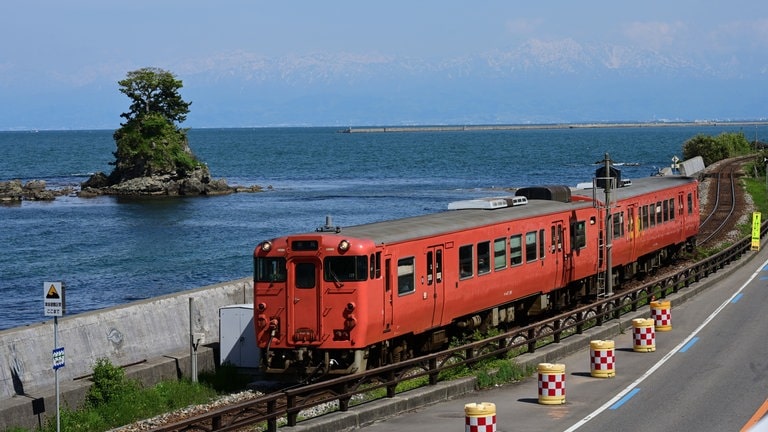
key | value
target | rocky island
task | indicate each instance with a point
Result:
(153, 157)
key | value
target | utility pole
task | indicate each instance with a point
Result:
(608, 228)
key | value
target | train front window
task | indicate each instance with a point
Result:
(270, 269)
(345, 268)
(305, 275)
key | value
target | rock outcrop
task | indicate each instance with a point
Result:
(198, 182)
(13, 191)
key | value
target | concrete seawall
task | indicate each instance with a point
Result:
(150, 335)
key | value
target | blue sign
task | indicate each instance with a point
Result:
(58, 358)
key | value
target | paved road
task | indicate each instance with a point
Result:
(709, 373)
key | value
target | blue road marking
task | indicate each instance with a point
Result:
(689, 344)
(737, 297)
(624, 400)
(765, 268)
(763, 277)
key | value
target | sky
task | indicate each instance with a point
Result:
(354, 63)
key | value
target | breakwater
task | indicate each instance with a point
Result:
(380, 129)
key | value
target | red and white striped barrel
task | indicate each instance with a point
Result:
(551, 383)
(643, 335)
(661, 312)
(480, 417)
(602, 358)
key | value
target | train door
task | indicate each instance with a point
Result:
(435, 285)
(388, 293)
(557, 251)
(305, 305)
(633, 229)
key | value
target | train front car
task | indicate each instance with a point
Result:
(308, 292)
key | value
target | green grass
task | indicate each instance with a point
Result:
(114, 401)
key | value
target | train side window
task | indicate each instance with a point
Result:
(516, 250)
(578, 235)
(305, 275)
(406, 276)
(372, 267)
(465, 261)
(439, 265)
(652, 215)
(530, 246)
(690, 203)
(618, 225)
(643, 218)
(542, 244)
(665, 206)
(378, 265)
(500, 254)
(430, 267)
(483, 257)
(671, 209)
(553, 238)
(658, 213)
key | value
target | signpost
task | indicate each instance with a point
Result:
(756, 216)
(53, 305)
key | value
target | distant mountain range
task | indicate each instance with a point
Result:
(537, 82)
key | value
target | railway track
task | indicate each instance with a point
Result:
(721, 211)
(724, 205)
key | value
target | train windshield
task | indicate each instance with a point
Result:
(270, 269)
(345, 268)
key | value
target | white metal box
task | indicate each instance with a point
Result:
(237, 336)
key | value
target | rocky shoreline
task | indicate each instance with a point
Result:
(197, 183)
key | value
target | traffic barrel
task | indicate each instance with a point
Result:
(661, 312)
(602, 358)
(643, 335)
(480, 417)
(551, 383)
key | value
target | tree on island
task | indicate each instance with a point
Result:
(153, 156)
(150, 142)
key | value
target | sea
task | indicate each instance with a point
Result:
(109, 251)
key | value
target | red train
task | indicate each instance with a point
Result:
(342, 300)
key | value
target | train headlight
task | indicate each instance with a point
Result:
(266, 246)
(261, 307)
(344, 245)
(350, 307)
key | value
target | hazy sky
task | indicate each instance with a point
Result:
(77, 50)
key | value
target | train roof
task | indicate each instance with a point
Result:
(641, 186)
(397, 230)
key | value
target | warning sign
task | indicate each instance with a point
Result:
(53, 298)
